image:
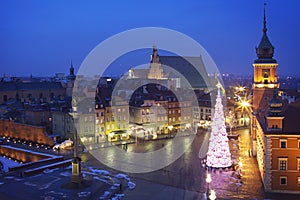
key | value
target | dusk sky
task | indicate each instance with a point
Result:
(42, 37)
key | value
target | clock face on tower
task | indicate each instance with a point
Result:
(266, 73)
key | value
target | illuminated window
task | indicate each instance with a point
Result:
(282, 163)
(283, 144)
(298, 164)
(283, 180)
(298, 178)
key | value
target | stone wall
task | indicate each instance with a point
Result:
(9, 128)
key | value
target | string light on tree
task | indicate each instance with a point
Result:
(218, 155)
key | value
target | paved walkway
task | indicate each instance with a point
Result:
(228, 184)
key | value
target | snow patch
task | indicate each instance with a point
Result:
(122, 176)
(131, 185)
(83, 194)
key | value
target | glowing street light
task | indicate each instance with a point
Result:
(208, 178)
(212, 195)
(208, 181)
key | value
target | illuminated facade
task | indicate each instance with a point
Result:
(275, 130)
(155, 69)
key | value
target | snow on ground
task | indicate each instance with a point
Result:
(131, 185)
(8, 163)
(122, 176)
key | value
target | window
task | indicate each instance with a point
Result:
(298, 144)
(298, 178)
(282, 163)
(283, 180)
(107, 127)
(283, 144)
(298, 164)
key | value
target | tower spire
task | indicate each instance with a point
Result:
(265, 21)
(71, 69)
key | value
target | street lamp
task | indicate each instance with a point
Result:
(76, 162)
(212, 195)
(208, 181)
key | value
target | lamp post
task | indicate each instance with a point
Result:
(76, 162)
(208, 181)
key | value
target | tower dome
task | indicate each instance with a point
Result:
(265, 50)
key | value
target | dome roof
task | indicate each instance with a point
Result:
(265, 49)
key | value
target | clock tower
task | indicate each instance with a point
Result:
(265, 73)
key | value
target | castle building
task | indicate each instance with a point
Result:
(275, 132)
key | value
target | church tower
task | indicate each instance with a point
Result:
(265, 73)
(70, 81)
(155, 70)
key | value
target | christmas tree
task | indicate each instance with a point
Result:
(218, 154)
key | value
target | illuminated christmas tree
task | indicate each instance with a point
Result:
(218, 154)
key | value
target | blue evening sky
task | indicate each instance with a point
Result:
(42, 37)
